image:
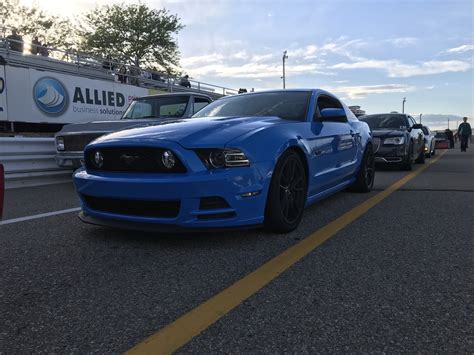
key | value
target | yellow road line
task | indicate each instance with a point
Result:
(183, 329)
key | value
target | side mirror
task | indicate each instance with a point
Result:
(417, 126)
(333, 114)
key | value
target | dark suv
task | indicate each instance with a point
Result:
(398, 139)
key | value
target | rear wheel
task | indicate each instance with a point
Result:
(366, 175)
(287, 194)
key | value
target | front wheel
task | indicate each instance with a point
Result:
(366, 175)
(408, 160)
(287, 194)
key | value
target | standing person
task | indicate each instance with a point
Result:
(15, 41)
(34, 45)
(122, 76)
(450, 135)
(464, 132)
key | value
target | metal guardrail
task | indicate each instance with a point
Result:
(104, 68)
(30, 162)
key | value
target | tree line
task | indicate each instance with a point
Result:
(133, 34)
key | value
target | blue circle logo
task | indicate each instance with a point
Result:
(50, 96)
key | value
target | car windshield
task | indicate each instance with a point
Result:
(157, 107)
(288, 105)
(441, 135)
(390, 121)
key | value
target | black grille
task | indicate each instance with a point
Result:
(77, 142)
(132, 159)
(159, 209)
(214, 202)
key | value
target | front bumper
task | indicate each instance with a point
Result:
(69, 159)
(391, 154)
(187, 188)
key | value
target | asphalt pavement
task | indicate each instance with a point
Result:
(396, 279)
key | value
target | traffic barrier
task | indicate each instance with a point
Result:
(2, 189)
(30, 162)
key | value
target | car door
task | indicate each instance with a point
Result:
(333, 145)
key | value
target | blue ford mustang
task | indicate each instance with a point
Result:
(246, 160)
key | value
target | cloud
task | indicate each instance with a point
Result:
(461, 49)
(262, 57)
(402, 41)
(255, 70)
(396, 69)
(360, 92)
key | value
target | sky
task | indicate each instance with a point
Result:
(369, 53)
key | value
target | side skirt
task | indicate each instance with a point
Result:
(323, 194)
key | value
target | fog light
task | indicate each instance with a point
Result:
(250, 194)
(98, 159)
(60, 144)
(168, 159)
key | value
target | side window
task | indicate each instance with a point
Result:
(173, 110)
(199, 103)
(412, 121)
(325, 102)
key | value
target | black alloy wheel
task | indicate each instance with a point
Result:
(287, 194)
(366, 175)
(408, 160)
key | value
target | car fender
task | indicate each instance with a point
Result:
(269, 143)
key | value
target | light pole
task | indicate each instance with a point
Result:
(403, 104)
(420, 117)
(285, 57)
(448, 123)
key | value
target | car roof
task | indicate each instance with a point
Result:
(171, 94)
(314, 90)
(387, 114)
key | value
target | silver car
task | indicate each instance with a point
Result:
(430, 148)
(72, 139)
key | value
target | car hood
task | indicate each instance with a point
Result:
(384, 133)
(102, 126)
(196, 132)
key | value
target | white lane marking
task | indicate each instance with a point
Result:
(36, 216)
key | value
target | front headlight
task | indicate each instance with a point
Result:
(394, 140)
(222, 158)
(60, 144)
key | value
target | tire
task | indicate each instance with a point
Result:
(407, 164)
(287, 194)
(421, 157)
(366, 175)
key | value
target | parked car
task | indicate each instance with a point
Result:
(72, 139)
(398, 139)
(242, 161)
(430, 148)
(441, 141)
